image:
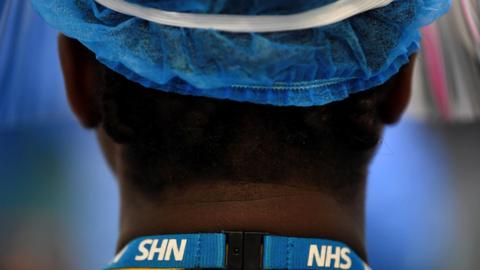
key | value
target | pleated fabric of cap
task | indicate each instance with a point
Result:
(305, 67)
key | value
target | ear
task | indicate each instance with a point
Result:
(398, 95)
(81, 80)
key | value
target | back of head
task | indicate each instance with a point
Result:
(172, 139)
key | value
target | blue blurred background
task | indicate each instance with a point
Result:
(59, 202)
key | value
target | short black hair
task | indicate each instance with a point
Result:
(173, 138)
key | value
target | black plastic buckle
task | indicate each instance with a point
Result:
(244, 250)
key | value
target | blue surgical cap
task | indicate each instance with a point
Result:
(305, 67)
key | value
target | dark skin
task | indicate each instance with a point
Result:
(293, 208)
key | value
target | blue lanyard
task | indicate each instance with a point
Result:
(212, 250)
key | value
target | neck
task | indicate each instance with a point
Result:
(215, 206)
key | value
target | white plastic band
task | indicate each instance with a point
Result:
(322, 16)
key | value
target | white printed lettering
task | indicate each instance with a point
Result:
(154, 249)
(323, 258)
(164, 252)
(177, 252)
(332, 256)
(314, 254)
(119, 255)
(347, 261)
(143, 250)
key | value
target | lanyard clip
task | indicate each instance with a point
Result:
(244, 250)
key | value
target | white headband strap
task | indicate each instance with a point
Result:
(322, 16)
